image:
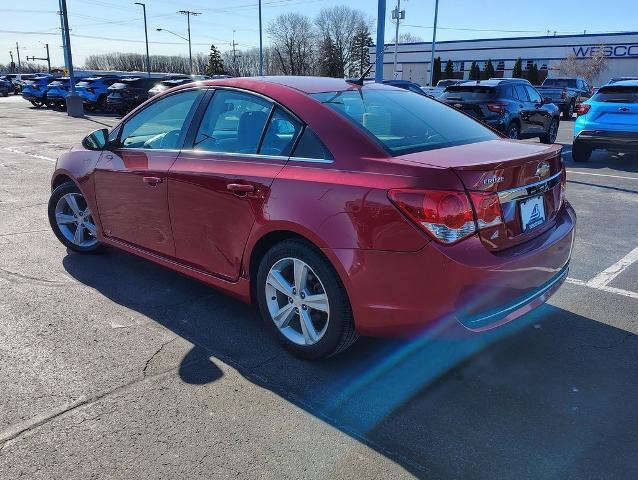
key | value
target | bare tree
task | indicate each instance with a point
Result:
(129, 62)
(407, 37)
(293, 39)
(588, 68)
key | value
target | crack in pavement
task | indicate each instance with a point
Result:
(15, 277)
(161, 347)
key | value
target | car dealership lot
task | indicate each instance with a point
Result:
(114, 367)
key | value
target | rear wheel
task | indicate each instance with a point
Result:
(71, 219)
(552, 132)
(37, 103)
(513, 131)
(580, 153)
(101, 104)
(303, 301)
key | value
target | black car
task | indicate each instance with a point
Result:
(406, 85)
(5, 86)
(127, 93)
(512, 106)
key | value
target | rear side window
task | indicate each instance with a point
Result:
(617, 94)
(403, 122)
(468, 93)
(310, 146)
(280, 135)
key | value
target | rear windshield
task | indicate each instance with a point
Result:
(468, 93)
(404, 122)
(560, 82)
(617, 94)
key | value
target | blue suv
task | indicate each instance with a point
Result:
(94, 91)
(608, 120)
(35, 89)
(57, 91)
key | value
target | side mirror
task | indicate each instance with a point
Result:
(96, 140)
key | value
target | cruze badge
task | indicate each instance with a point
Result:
(493, 180)
(542, 169)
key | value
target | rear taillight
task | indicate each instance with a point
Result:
(488, 209)
(563, 94)
(497, 107)
(582, 108)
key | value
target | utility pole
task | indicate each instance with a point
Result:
(13, 65)
(148, 58)
(66, 59)
(234, 52)
(398, 15)
(378, 69)
(74, 106)
(436, 12)
(18, 52)
(261, 50)
(188, 14)
(47, 58)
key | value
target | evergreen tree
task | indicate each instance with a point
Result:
(329, 63)
(449, 69)
(360, 50)
(436, 74)
(532, 74)
(215, 62)
(489, 69)
(517, 71)
(475, 72)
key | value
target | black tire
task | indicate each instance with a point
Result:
(581, 153)
(513, 131)
(36, 103)
(552, 132)
(5, 94)
(340, 333)
(56, 195)
(568, 113)
(101, 104)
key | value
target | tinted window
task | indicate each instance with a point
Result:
(159, 126)
(534, 96)
(508, 92)
(617, 94)
(560, 82)
(403, 122)
(233, 123)
(468, 93)
(280, 135)
(310, 146)
(521, 93)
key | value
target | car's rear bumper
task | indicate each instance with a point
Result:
(608, 140)
(405, 293)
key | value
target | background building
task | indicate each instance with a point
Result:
(546, 52)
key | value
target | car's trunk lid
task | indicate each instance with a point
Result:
(517, 172)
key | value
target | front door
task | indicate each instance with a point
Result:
(539, 117)
(131, 175)
(217, 187)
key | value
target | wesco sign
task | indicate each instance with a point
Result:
(608, 50)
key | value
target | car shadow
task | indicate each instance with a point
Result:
(620, 162)
(551, 395)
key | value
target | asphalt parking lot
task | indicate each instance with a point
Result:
(113, 367)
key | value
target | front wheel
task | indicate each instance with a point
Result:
(552, 132)
(37, 103)
(71, 219)
(303, 301)
(513, 131)
(580, 153)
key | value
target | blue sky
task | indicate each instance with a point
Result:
(119, 24)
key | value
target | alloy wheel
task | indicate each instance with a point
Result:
(297, 301)
(512, 132)
(74, 220)
(553, 131)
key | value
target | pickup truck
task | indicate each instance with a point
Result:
(566, 93)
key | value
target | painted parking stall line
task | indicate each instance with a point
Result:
(602, 175)
(32, 155)
(607, 276)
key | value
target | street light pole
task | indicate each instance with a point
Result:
(436, 12)
(47, 58)
(74, 105)
(261, 49)
(378, 69)
(148, 58)
(188, 14)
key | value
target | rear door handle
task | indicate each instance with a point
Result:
(152, 181)
(240, 188)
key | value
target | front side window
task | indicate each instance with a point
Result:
(233, 123)
(534, 96)
(521, 93)
(161, 124)
(405, 123)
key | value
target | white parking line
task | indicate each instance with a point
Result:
(602, 175)
(33, 155)
(605, 288)
(606, 276)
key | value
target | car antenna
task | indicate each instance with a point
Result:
(359, 81)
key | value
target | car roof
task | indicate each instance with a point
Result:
(306, 85)
(622, 83)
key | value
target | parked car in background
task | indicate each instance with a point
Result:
(127, 93)
(340, 209)
(21, 78)
(94, 91)
(512, 106)
(405, 85)
(5, 87)
(57, 92)
(35, 89)
(620, 79)
(608, 120)
(566, 93)
(167, 83)
(437, 91)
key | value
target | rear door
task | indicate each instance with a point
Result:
(130, 177)
(217, 186)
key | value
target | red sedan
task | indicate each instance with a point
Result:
(340, 209)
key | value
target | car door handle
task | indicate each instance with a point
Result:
(152, 181)
(240, 188)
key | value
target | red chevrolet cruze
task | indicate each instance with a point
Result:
(340, 209)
